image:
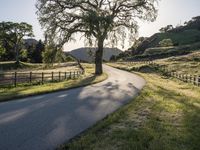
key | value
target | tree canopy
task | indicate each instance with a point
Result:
(12, 34)
(97, 20)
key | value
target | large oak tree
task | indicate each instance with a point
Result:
(97, 20)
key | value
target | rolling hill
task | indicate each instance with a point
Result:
(87, 54)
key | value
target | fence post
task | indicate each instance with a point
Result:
(70, 75)
(52, 76)
(186, 78)
(74, 75)
(190, 78)
(30, 77)
(180, 76)
(65, 75)
(194, 80)
(15, 79)
(59, 76)
(175, 74)
(171, 74)
(183, 77)
(42, 77)
(198, 81)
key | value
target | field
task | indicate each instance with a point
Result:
(27, 67)
(165, 116)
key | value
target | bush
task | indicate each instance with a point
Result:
(166, 43)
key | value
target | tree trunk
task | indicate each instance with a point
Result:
(78, 62)
(17, 55)
(98, 58)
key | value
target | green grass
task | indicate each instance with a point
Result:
(28, 90)
(165, 116)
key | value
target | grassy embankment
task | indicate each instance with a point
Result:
(188, 64)
(165, 116)
(23, 91)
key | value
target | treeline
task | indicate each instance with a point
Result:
(17, 44)
(194, 23)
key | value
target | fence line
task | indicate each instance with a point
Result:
(136, 62)
(188, 78)
(194, 79)
(15, 78)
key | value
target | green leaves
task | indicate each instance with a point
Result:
(93, 18)
(11, 37)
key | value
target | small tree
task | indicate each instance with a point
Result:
(97, 20)
(166, 43)
(166, 29)
(37, 52)
(49, 55)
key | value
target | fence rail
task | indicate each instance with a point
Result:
(15, 78)
(188, 78)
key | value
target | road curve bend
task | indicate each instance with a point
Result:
(46, 121)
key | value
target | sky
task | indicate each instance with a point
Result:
(169, 12)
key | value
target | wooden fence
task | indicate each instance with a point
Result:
(136, 62)
(194, 79)
(15, 78)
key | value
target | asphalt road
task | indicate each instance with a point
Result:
(46, 121)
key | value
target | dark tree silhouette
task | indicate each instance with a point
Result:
(37, 53)
(97, 20)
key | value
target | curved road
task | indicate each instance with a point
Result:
(46, 121)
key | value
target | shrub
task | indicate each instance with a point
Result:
(166, 43)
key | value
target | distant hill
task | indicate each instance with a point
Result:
(87, 53)
(30, 42)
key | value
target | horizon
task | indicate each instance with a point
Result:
(24, 11)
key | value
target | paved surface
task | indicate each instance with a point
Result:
(46, 121)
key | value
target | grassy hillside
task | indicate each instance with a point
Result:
(187, 64)
(179, 38)
(182, 40)
(165, 52)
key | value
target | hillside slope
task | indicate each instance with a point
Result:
(178, 38)
(87, 54)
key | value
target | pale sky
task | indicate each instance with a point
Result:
(170, 12)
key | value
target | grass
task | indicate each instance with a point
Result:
(165, 116)
(24, 91)
(10, 66)
(188, 64)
